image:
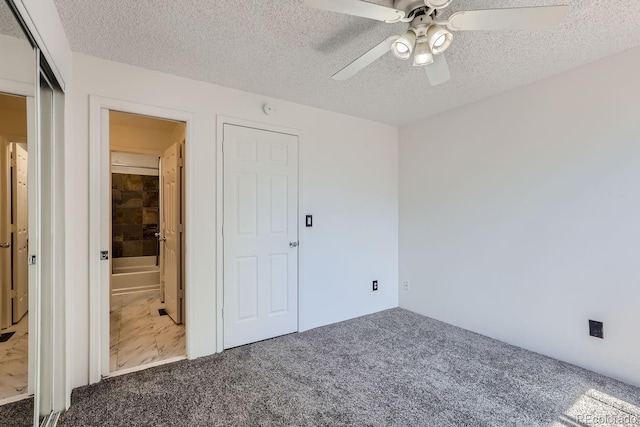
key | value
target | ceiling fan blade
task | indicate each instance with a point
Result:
(358, 8)
(521, 18)
(364, 60)
(438, 72)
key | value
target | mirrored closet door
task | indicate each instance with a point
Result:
(18, 284)
(31, 114)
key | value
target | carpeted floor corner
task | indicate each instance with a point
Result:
(17, 414)
(393, 368)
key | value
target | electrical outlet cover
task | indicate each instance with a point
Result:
(596, 329)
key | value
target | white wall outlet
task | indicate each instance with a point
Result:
(405, 285)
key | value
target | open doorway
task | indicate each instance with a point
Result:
(147, 307)
(14, 280)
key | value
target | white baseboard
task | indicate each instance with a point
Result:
(15, 398)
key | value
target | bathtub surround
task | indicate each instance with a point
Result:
(135, 274)
(135, 215)
(127, 163)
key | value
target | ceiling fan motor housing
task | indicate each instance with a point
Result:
(420, 24)
(437, 4)
(408, 6)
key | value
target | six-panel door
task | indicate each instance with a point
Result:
(171, 259)
(260, 234)
(21, 223)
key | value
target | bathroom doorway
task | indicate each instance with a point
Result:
(147, 305)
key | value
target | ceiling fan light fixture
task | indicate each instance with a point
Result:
(403, 47)
(438, 38)
(423, 55)
(437, 4)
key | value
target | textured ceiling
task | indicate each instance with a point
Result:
(8, 24)
(282, 49)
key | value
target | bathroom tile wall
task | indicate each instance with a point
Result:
(135, 215)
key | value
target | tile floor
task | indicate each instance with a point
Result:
(139, 335)
(14, 356)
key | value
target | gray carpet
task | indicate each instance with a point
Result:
(18, 414)
(393, 368)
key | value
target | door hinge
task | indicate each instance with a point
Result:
(14, 294)
(223, 312)
(32, 260)
(180, 228)
(181, 162)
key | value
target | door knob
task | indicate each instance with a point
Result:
(5, 245)
(161, 238)
(293, 244)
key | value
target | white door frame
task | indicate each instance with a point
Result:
(222, 120)
(33, 141)
(99, 239)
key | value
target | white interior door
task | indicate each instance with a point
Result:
(160, 226)
(20, 228)
(5, 234)
(171, 231)
(260, 234)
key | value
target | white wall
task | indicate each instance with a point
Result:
(349, 184)
(520, 216)
(135, 139)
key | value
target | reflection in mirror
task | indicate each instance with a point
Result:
(17, 56)
(17, 296)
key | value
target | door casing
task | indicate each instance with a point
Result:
(221, 121)
(99, 224)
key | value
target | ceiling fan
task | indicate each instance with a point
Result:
(428, 36)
